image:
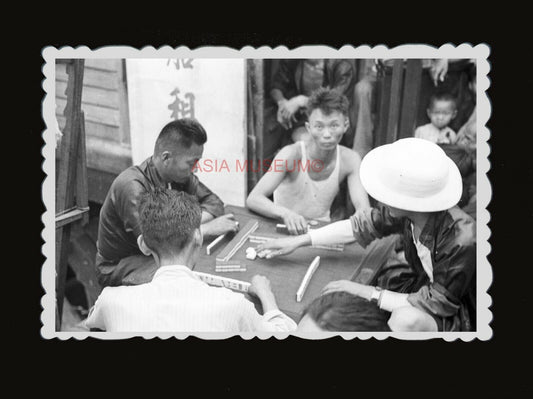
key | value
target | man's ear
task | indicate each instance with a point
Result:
(454, 114)
(308, 127)
(142, 246)
(165, 155)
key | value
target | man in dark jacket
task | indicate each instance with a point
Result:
(179, 146)
(419, 187)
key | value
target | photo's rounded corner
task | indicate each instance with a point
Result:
(51, 51)
(484, 50)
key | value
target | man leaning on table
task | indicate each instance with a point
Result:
(420, 188)
(179, 146)
(176, 300)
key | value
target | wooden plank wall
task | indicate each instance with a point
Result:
(105, 105)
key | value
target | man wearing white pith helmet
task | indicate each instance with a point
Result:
(418, 187)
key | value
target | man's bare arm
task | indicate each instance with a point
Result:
(206, 217)
(259, 202)
(357, 192)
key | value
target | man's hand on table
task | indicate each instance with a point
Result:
(260, 287)
(220, 225)
(296, 223)
(282, 246)
(351, 287)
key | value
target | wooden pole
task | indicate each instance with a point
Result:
(258, 92)
(66, 176)
(395, 98)
(410, 99)
(82, 193)
(251, 155)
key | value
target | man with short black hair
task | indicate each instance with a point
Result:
(176, 300)
(341, 312)
(307, 175)
(179, 146)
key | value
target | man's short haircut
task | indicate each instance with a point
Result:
(168, 219)
(182, 133)
(328, 101)
(341, 311)
(442, 97)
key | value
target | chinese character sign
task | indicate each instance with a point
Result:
(184, 62)
(182, 109)
(211, 90)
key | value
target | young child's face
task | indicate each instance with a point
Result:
(327, 130)
(441, 113)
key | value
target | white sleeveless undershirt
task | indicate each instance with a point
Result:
(310, 198)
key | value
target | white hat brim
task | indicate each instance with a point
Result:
(446, 198)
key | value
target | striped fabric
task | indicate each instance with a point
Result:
(177, 301)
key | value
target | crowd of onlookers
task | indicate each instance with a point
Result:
(446, 114)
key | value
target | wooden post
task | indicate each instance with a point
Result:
(258, 92)
(69, 142)
(399, 96)
(82, 193)
(65, 185)
(410, 99)
(395, 98)
(251, 154)
(124, 128)
(382, 91)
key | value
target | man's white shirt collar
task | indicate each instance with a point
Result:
(174, 270)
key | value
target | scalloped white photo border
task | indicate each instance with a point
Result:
(484, 192)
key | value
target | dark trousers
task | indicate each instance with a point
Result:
(132, 270)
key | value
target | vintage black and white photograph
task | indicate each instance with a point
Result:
(267, 192)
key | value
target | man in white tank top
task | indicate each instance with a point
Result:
(304, 178)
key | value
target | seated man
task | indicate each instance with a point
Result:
(176, 300)
(179, 146)
(341, 311)
(305, 176)
(420, 188)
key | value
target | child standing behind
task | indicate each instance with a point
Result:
(442, 109)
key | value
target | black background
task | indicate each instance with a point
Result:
(399, 368)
